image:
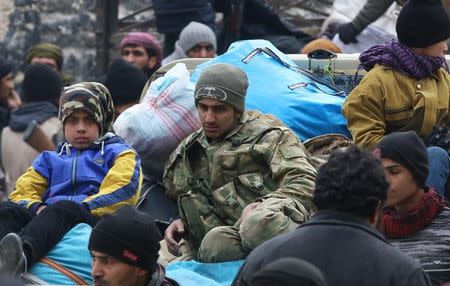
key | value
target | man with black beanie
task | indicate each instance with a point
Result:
(416, 219)
(124, 248)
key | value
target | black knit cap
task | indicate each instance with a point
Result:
(41, 83)
(422, 23)
(128, 235)
(5, 68)
(125, 82)
(407, 149)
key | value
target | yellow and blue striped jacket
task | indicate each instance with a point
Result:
(103, 178)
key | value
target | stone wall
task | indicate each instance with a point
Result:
(67, 23)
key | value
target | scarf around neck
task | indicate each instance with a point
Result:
(397, 225)
(402, 58)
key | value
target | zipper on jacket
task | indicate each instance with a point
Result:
(74, 171)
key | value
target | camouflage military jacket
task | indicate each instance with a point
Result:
(213, 181)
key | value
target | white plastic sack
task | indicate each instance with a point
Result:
(166, 116)
(380, 31)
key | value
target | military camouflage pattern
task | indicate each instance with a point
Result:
(320, 147)
(92, 97)
(261, 160)
(274, 216)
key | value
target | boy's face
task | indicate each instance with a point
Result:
(404, 193)
(81, 129)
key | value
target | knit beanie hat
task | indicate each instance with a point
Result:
(92, 97)
(422, 23)
(289, 271)
(223, 82)
(143, 39)
(195, 33)
(125, 82)
(128, 235)
(46, 50)
(407, 149)
(5, 68)
(41, 83)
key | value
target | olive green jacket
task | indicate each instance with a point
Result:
(213, 181)
(387, 100)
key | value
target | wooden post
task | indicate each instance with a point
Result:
(106, 23)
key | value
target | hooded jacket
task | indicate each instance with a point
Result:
(102, 178)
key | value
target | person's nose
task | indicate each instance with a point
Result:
(203, 53)
(81, 127)
(209, 116)
(129, 57)
(97, 270)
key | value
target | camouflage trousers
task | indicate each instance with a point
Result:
(270, 218)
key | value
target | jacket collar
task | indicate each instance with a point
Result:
(333, 217)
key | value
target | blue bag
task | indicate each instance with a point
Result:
(193, 273)
(310, 106)
(68, 263)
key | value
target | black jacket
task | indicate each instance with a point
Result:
(347, 250)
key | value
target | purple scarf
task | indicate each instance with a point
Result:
(401, 58)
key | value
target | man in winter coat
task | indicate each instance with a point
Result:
(241, 179)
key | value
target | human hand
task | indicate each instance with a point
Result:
(247, 210)
(347, 33)
(173, 235)
(14, 100)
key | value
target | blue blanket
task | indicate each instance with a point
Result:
(193, 273)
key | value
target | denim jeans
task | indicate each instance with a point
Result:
(439, 165)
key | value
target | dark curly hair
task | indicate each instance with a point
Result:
(351, 181)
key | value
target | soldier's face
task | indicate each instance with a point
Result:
(217, 118)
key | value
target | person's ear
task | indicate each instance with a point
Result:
(142, 272)
(377, 214)
(152, 62)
